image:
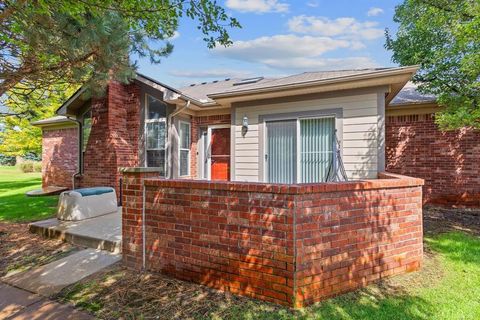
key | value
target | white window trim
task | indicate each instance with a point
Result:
(180, 149)
(146, 135)
(298, 155)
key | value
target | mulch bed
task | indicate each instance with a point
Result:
(120, 293)
(21, 250)
(440, 219)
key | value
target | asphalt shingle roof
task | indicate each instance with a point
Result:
(410, 94)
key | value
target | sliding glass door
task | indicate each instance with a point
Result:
(299, 150)
(281, 154)
(316, 148)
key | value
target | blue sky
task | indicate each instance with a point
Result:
(282, 37)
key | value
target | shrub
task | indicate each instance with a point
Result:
(37, 166)
(26, 166)
(31, 156)
(7, 160)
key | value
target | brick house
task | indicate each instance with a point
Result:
(224, 183)
(198, 132)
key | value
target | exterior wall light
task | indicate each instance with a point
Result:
(244, 125)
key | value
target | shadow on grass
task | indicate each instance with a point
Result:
(376, 302)
(13, 185)
(19, 207)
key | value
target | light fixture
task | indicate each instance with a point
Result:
(245, 122)
(244, 125)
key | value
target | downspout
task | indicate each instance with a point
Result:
(80, 153)
(169, 144)
(168, 176)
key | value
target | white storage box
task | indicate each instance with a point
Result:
(80, 204)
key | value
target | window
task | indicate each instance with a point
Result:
(86, 128)
(184, 149)
(156, 133)
(299, 150)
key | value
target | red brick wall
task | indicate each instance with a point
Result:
(345, 240)
(279, 243)
(114, 138)
(59, 156)
(447, 161)
(198, 122)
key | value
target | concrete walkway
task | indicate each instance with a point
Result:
(49, 279)
(20, 304)
(104, 232)
(25, 295)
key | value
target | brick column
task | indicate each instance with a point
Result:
(132, 200)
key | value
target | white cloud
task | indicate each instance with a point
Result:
(211, 73)
(345, 27)
(292, 52)
(319, 64)
(257, 6)
(373, 12)
(176, 34)
(313, 4)
(281, 46)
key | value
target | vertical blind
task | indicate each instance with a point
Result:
(282, 151)
(315, 141)
(316, 148)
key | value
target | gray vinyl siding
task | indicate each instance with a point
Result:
(359, 133)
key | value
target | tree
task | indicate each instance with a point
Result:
(18, 137)
(443, 37)
(89, 41)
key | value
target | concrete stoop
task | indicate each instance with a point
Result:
(103, 233)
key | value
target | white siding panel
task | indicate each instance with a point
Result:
(358, 134)
(359, 127)
(247, 165)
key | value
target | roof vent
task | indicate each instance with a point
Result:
(248, 81)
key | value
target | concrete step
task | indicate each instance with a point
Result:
(104, 232)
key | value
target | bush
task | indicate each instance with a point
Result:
(7, 160)
(31, 156)
(37, 166)
(26, 166)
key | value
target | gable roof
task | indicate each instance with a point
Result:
(410, 95)
(206, 93)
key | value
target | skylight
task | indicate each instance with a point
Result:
(248, 81)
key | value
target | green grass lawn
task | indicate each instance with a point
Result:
(448, 287)
(14, 205)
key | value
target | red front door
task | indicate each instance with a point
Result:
(220, 154)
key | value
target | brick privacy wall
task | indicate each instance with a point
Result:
(447, 161)
(59, 156)
(196, 123)
(114, 138)
(132, 199)
(279, 243)
(346, 240)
